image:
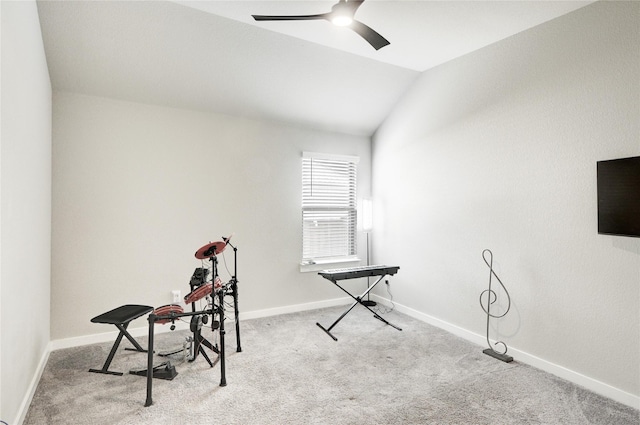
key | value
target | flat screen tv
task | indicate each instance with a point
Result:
(619, 196)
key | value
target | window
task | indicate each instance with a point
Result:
(329, 208)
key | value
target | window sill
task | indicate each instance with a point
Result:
(331, 264)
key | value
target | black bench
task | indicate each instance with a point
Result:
(121, 317)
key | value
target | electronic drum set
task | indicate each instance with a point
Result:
(212, 290)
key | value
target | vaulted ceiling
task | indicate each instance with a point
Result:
(213, 56)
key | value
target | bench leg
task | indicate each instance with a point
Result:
(112, 353)
(123, 330)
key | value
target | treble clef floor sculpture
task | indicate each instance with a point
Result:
(492, 297)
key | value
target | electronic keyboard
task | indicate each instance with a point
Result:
(356, 272)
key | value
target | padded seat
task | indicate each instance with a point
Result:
(121, 317)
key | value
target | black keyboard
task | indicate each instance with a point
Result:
(356, 272)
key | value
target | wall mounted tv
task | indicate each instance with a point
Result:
(619, 196)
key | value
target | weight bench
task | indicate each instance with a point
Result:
(121, 317)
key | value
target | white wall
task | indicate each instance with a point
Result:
(498, 150)
(137, 189)
(25, 194)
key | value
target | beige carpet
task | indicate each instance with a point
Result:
(291, 372)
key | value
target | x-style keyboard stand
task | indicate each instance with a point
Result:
(336, 275)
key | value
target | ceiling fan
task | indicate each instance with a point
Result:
(341, 14)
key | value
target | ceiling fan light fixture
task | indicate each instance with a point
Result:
(342, 14)
(341, 20)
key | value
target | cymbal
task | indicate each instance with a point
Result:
(211, 250)
(208, 251)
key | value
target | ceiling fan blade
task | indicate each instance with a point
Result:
(372, 37)
(290, 18)
(344, 8)
(354, 4)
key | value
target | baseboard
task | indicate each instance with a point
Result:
(110, 336)
(257, 314)
(591, 384)
(31, 389)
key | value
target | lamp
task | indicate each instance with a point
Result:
(367, 216)
(367, 226)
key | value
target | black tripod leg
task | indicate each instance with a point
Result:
(237, 314)
(199, 340)
(207, 344)
(204, 354)
(149, 401)
(223, 378)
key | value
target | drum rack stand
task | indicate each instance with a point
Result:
(198, 279)
(229, 289)
(198, 341)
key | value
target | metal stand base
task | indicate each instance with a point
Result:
(162, 371)
(495, 354)
(369, 303)
(358, 300)
(327, 331)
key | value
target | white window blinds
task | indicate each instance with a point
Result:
(329, 207)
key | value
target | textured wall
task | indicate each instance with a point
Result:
(498, 150)
(26, 205)
(137, 189)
